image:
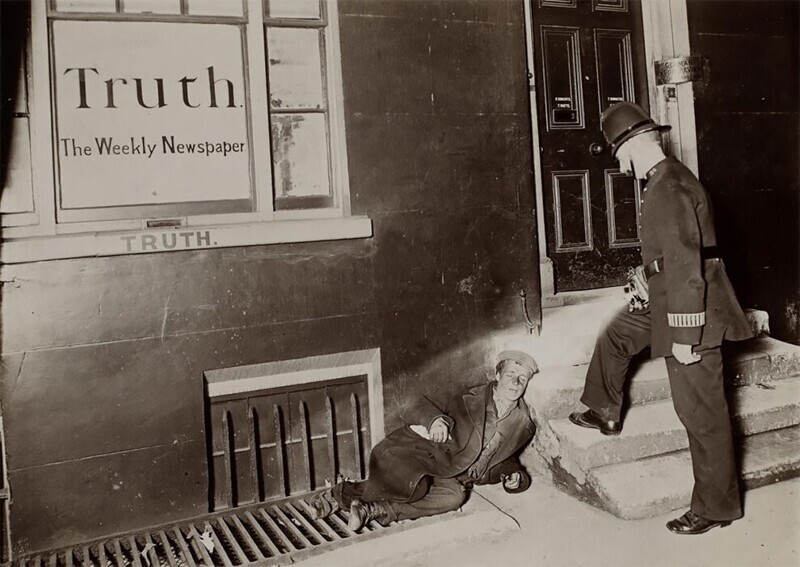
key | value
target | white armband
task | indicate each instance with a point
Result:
(686, 319)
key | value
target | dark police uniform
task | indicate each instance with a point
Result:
(691, 302)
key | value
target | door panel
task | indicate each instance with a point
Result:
(589, 54)
(562, 78)
(573, 228)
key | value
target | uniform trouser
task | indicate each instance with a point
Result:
(442, 495)
(698, 396)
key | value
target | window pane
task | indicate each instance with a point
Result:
(300, 155)
(17, 195)
(152, 6)
(216, 8)
(295, 68)
(164, 122)
(300, 9)
(86, 5)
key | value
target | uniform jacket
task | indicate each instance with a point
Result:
(691, 300)
(403, 459)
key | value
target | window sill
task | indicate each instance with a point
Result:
(37, 249)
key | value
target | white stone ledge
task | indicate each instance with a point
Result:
(282, 373)
(82, 245)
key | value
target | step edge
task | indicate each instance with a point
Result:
(776, 468)
(587, 457)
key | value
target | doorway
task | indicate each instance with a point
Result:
(586, 56)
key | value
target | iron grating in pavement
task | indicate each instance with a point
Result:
(275, 533)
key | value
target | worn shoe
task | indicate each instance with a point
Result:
(592, 420)
(362, 512)
(323, 504)
(692, 524)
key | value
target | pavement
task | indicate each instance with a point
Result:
(547, 527)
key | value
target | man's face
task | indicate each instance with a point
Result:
(512, 380)
(624, 158)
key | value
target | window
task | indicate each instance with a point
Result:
(173, 124)
(17, 195)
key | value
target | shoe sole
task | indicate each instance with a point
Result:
(597, 427)
(719, 525)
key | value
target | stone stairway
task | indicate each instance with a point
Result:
(646, 470)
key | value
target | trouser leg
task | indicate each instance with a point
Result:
(698, 395)
(347, 491)
(444, 495)
(625, 336)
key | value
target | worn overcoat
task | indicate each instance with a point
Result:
(691, 300)
(403, 460)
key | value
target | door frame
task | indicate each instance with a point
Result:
(665, 27)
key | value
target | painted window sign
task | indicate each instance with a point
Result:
(219, 121)
(149, 114)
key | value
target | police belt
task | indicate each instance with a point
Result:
(657, 265)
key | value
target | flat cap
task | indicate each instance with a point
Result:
(522, 358)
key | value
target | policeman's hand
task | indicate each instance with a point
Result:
(511, 481)
(439, 431)
(684, 354)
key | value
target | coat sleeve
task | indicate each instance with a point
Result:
(424, 411)
(506, 468)
(681, 241)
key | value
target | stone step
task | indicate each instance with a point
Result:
(760, 359)
(654, 429)
(569, 333)
(556, 391)
(656, 485)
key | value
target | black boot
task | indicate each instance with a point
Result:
(362, 512)
(323, 504)
(593, 420)
(693, 524)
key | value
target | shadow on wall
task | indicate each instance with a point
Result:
(14, 19)
(14, 16)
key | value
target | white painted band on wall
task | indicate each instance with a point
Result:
(281, 373)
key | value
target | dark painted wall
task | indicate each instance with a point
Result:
(749, 146)
(102, 375)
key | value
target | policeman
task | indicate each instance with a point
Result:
(692, 308)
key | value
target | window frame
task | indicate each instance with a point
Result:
(31, 235)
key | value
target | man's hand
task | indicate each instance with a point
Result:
(439, 431)
(511, 481)
(684, 354)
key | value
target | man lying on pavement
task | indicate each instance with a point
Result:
(428, 466)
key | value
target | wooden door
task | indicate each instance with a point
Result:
(588, 54)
